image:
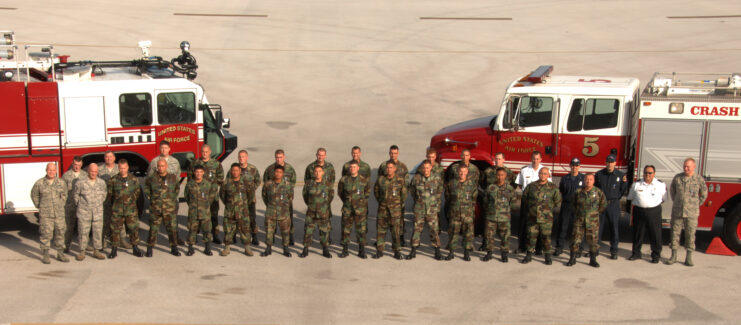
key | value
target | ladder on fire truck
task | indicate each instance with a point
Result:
(674, 84)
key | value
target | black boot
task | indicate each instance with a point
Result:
(149, 251)
(572, 259)
(412, 254)
(397, 255)
(207, 251)
(304, 252)
(466, 255)
(325, 252)
(137, 252)
(450, 256)
(379, 254)
(482, 248)
(216, 240)
(548, 260)
(286, 252)
(268, 251)
(344, 251)
(114, 252)
(174, 251)
(504, 257)
(290, 241)
(593, 260)
(438, 256)
(488, 256)
(255, 242)
(558, 252)
(361, 252)
(190, 251)
(528, 258)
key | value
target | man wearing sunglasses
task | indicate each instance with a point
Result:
(647, 196)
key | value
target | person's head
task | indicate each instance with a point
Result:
(162, 167)
(466, 156)
(280, 157)
(462, 172)
(394, 152)
(77, 164)
(689, 166)
(499, 159)
(431, 154)
(321, 154)
(278, 174)
(610, 162)
(92, 171)
(535, 158)
(501, 176)
(426, 168)
(164, 148)
(51, 170)
(588, 181)
(243, 156)
(109, 158)
(354, 168)
(235, 171)
(355, 152)
(123, 167)
(543, 175)
(575, 166)
(649, 172)
(198, 173)
(318, 173)
(206, 152)
(390, 169)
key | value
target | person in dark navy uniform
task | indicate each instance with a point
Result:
(568, 186)
(613, 183)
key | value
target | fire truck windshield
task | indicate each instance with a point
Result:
(534, 111)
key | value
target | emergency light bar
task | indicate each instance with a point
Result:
(539, 74)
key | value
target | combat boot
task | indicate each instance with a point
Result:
(504, 257)
(412, 254)
(488, 256)
(247, 249)
(572, 259)
(97, 254)
(379, 254)
(149, 251)
(344, 251)
(450, 256)
(397, 255)
(672, 259)
(290, 241)
(482, 248)
(528, 258)
(688, 260)
(254, 240)
(61, 257)
(361, 252)
(268, 251)
(45, 256)
(207, 250)
(190, 251)
(438, 256)
(325, 252)
(467, 255)
(558, 252)
(137, 252)
(579, 253)
(174, 251)
(548, 260)
(225, 251)
(80, 256)
(304, 252)
(114, 252)
(593, 260)
(286, 252)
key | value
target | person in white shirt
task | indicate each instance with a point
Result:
(527, 175)
(647, 196)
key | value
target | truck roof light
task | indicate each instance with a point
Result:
(539, 74)
(646, 103)
(676, 108)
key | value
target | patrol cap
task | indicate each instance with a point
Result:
(575, 162)
(610, 158)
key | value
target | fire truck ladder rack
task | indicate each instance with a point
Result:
(668, 84)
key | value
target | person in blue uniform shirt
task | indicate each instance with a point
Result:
(613, 183)
(568, 186)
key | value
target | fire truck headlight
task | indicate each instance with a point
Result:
(676, 108)
(8, 75)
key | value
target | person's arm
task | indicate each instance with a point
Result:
(703, 191)
(36, 194)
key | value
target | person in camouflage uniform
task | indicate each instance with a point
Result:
(390, 192)
(500, 198)
(173, 165)
(461, 196)
(542, 198)
(106, 170)
(200, 194)
(123, 192)
(364, 171)
(590, 203)
(70, 177)
(402, 171)
(89, 195)
(213, 173)
(234, 194)
(427, 191)
(473, 172)
(251, 175)
(277, 195)
(354, 191)
(162, 191)
(329, 175)
(437, 170)
(318, 194)
(49, 195)
(688, 192)
(490, 177)
(289, 177)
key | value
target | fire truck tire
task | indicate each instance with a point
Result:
(732, 230)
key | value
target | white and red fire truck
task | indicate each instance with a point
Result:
(54, 110)
(675, 117)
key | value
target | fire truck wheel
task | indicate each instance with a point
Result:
(732, 230)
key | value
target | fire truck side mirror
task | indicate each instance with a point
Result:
(219, 119)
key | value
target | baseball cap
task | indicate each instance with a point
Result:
(610, 158)
(575, 162)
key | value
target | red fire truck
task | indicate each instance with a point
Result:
(675, 117)
(54, 109)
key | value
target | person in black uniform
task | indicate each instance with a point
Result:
(568, 186)
(613, 183)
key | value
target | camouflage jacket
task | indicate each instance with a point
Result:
(162, 193)
(354, 191)
(401, 169)
(123, 193)
(491, 175)
(390, 192)
(473, 172)
(106, 174)
(590, 204)
(688, 193)
(461, 195)
(173, 166)
(427, 193)
(541, 200)
(199, 197)
(50, 199)
(318, 196)
(252, 175)
(289, 174)
(499, 202)
(364, 170)
(235, 196)
(277, 198)
(70, 179)
(329, 175)
(213, 171)
(89, 196)
(437, 170)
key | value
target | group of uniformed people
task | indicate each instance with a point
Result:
(103, 200)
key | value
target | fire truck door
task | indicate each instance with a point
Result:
(528, 126)
(84, 121)
(589, 132)
(176, 119)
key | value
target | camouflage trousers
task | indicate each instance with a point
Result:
(592, 232)
(388, 218)
(461, 226)
(70, 219)
(497, 228)
(285, 229)
(52, 227)
(107, 213)
(215, 218)
(690, 226)
(313, 220)
(542, 230)
(87, 221)
(131, 222)
(171, 224)
(357, 216)
(194, 224)
(237, 225)
(253, 218)
(419, 224)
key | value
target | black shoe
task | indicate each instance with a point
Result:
(482, 248)
(114, 252)
(255, 242)
(467, 255)
(579, 254)
(572, 259)
(538, 252)
(216, 240)
(593, 260)
(207, 251)
(558, 251)
(267, 252)
(403, 242)
(190, 251)
(488, 256)
(137, 252)
(344, 252)
(397, 255)
(412, 254)
(528, 258)
(613, 256)
(291, 242)
(378, 255)
(149, 251)
(325, 252)
(655, 259)
(438, 256)
(361, 252)
(548, 260)
(504, 257)
(286, 252)
(174, 251)
(634, 257)
(304, 252)
(450, 256)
